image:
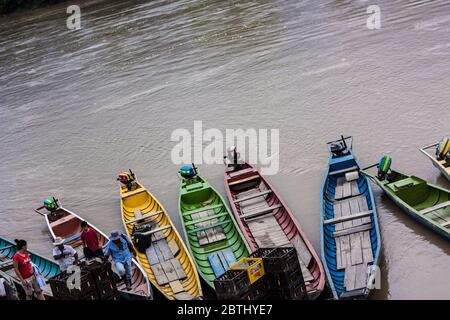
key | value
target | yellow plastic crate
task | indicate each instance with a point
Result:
(253, 266)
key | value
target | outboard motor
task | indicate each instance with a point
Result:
(443, 148)
(384, 167)
(234, 158)
(127, 179)
(51, 204)
(188, 172)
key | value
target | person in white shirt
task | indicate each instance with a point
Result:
(65, 255)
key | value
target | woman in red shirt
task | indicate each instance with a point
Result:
(25, 271)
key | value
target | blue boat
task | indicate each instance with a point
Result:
(350, 235)
(48, 268)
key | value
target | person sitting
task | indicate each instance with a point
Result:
(120, 249)
(25, 272)
(91, 246)
(65, 255)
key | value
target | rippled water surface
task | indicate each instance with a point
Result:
(77, 107)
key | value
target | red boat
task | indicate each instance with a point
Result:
(267, 222)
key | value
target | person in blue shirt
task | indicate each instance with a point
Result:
(121, 251)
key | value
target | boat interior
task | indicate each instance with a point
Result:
(212, 234)
(163, 258)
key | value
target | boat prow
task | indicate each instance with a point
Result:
(442, 165)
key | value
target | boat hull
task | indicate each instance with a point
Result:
(204, 196)
(141, 199)
(287, 223)
(339, 265)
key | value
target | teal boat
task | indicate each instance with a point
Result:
(213, 236)
(48, 268)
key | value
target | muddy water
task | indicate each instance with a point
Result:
(77, 107)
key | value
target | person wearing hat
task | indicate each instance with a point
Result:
(121, 251)
(65, 255)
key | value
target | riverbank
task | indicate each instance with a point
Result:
(10, 6)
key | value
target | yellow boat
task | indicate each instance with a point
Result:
(165, 257)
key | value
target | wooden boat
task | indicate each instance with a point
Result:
(48, 268)
(442, 165)
(214, 238)
(267, 222)
(167, 261)
(350, 235)
(66, 224)
(426, 203)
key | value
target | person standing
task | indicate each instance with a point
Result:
(25, 271)
(65, 255)
(91, 246)
(121, 251)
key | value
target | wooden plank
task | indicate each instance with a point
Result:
(337, 214)
(345, 211)
(160, 275)
(345, 251)
(178, 268)
(156, 230)
(347, 218)
(363, 206)
(354, 188)
(354, 210)
(174, 247)
(169, 270)
(361, 276)
(158, 253)
(333, 173)
(366, 247)
(350, 277)
(183, 296)
(216, 265)
(434, 208)
(165, 249)
(338, 254)
(151, 255)
(261, 211)
(355, 248)
(347, 190)
(302, 250)
(141, 217)
(349, 231)
(176, 286)
(256, 195)
(339, 188)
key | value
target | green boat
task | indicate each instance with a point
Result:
(213, 236)
(427, 203)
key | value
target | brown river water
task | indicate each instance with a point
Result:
(77, 107)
